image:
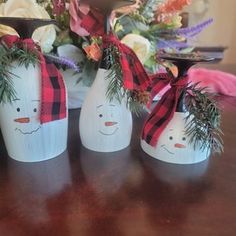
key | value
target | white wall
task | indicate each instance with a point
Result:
(223, 31)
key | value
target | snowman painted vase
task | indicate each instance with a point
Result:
(26, 139)
(105, 126)
(174, 145)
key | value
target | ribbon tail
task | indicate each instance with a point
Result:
(159, 82)
(160, 117)
(126, 70)
(140, 79)
(53, 94)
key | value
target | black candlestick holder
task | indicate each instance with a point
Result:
(184, 62)
(25, 26)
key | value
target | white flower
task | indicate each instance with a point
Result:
(45, 35)
(140, 45)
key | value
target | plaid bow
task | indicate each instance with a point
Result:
(94, 22)
(134, 74)
(53, 94)
(165, 108)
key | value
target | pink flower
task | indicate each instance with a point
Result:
(59, 6)
(77, 11)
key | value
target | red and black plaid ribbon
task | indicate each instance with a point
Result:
(165, 108)
(93, 22)
(53, 93)
(134, 74)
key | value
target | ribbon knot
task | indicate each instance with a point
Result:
(53, 94)
(134, 74)
(179, 82)
(165, 108)
(13, 40)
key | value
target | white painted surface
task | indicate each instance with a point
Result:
(173, 145)
(76, 90)
(104, 126)
(30, 141)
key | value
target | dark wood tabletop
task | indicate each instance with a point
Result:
(126, 193)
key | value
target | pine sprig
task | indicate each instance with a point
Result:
(116, 88)
(26, 57)
(22, 56)
(203, 121)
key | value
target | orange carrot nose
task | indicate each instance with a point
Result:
(109, 123)
(23, 120)
(178, 145)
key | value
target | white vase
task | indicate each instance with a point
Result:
(173, 145)
(76, 91)
(105, 126)
(26, 139)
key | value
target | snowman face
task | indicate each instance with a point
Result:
(174, 141)
(108, 119)
(105, 125)
(26, 139)
(25, 118)
(174, 145)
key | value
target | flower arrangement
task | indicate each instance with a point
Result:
(158, 23)
(148, 27)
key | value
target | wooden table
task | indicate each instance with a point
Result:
(127, 193)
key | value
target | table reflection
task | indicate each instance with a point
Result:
(34, 184)
(106, 173)
(174, 173)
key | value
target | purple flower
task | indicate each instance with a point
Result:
(64, 61)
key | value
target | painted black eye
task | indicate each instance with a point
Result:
(35, 109)
(18, 109)
(170, 138)
(100, 115)
(184, 139)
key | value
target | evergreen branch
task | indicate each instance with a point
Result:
(116, 88)
(8, 55)
(203, 121)
(26, 57)
(7, 91)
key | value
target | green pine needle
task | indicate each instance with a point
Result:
(8, 55)
(116, 88)
(203, 121)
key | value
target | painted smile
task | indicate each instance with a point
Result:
(27, 133)
(101, 132)
(163, 146)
